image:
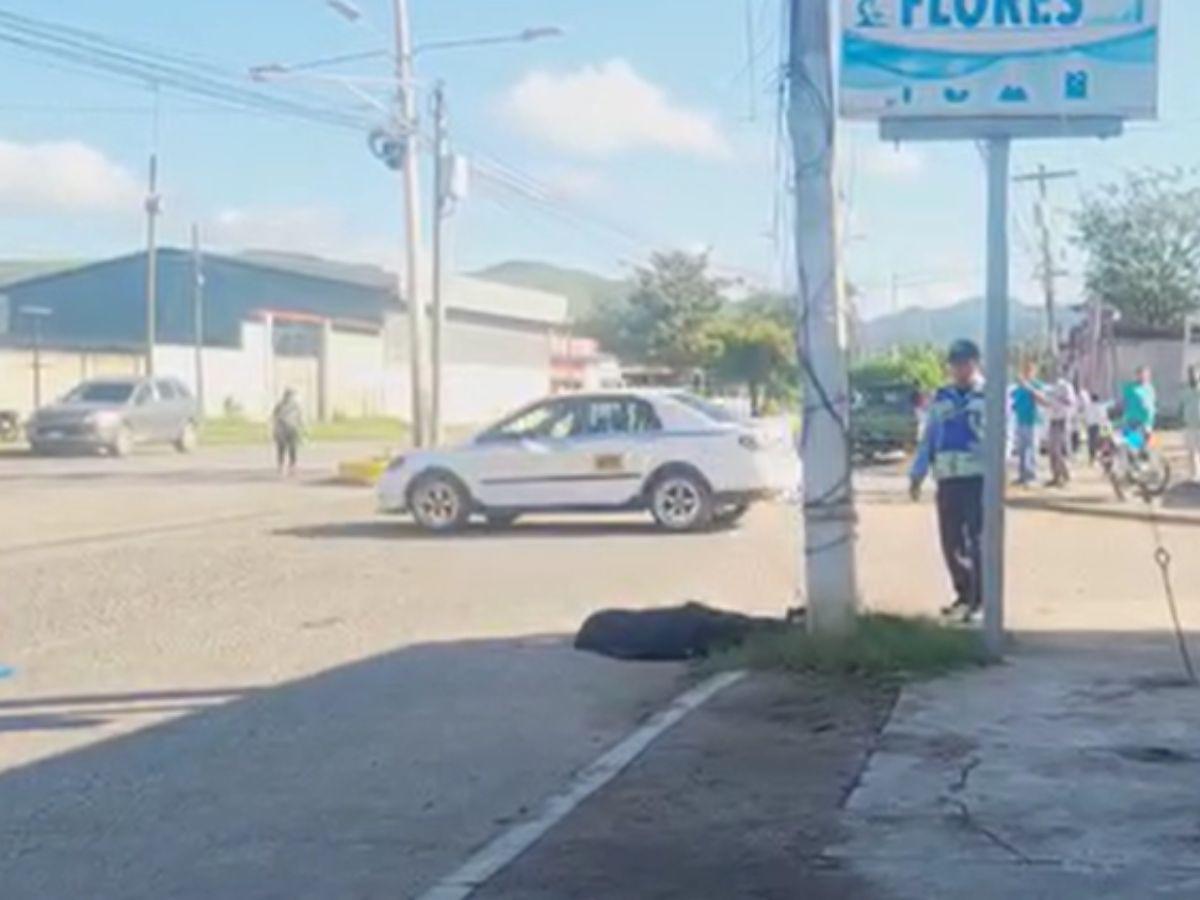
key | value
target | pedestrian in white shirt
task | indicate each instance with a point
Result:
(1095, 419)
(1060, 404)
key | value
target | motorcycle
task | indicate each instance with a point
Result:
(1130, 461)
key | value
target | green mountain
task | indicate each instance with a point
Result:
(939, 327)
(585, 291)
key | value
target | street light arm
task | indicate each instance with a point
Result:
(277, 72)
(521, 37)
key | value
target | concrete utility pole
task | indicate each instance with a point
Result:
(406, 116)
(153, 209)
(198, 314)
(829, 518)
(439, 216)
(1049, 271)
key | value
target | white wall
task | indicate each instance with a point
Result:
(238, 374)
(355, 378)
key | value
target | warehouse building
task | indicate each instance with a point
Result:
(336, 333)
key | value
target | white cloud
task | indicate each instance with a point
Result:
(607, 109)
(64, 176)
(893, 162)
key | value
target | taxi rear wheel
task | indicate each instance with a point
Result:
(439, 503)
(680, 500)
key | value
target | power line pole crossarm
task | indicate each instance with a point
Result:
(829, 517)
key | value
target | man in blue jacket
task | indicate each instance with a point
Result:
(951, 449)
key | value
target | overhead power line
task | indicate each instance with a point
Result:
(182, 74)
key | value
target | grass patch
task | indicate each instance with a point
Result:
(232, 430)
(882, 646)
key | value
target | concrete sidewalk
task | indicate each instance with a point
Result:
(1072, 771)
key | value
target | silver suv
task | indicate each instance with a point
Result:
(114, 415)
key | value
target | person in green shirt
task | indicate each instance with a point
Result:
(1140, 401)
(1191, 419)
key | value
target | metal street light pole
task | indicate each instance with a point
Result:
(153, 208)
(198, 315)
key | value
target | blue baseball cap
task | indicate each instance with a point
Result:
(962, 351)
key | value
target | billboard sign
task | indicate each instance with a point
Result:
(946, 59)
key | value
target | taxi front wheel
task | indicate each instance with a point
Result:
(439, 503)
(681, 501)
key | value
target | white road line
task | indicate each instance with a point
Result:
(507, 847)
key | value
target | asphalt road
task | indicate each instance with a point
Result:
(228, 685)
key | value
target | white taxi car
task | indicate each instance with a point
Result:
(688, 462)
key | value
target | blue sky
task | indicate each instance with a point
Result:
(644, 116)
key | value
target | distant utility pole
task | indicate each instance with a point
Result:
(153, 209)
(440, 199)
(829, 517)
(37, 314)
(198, 315)
(1049, 270)
(406, 122)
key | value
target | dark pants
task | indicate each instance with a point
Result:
(285, 450)
(960, 521)
(1093, 442)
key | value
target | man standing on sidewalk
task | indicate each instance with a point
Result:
(1025, 423)
(1061, 403)
(952, 449)
(1191, 419)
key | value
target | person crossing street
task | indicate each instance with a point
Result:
(287, 427)
(951, 449)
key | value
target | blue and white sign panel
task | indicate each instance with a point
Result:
(999, 58)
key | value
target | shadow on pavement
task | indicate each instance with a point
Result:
(90, 710)
(399, 529)
(369, 780)
(1134, 511)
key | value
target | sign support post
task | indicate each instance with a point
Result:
(996, 400)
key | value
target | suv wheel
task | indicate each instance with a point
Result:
(681, 501)
(439, 503)
(122, 444)
(186, 442)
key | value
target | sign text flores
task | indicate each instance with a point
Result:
(999, 58)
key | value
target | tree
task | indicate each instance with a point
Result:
(919, 366)
(670, 313)
(756, 350)
(1142, 240)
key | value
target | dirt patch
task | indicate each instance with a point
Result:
(740, 800)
